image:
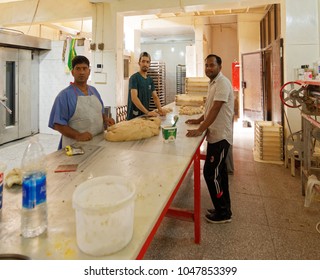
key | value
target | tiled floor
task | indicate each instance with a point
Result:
(269, 219)
(11, 153)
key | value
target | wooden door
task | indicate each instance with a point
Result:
(253, 101)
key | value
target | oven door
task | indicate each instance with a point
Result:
(15, 94)
(9, 129)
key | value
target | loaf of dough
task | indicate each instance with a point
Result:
(14, 177)
(166, 110)
(189, 100)
(135, 129)
(191, 110)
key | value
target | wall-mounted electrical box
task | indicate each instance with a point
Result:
(99, 68)
(100, 78)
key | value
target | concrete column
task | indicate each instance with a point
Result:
(199, 32)
(107, 57)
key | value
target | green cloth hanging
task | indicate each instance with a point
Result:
(72, 53)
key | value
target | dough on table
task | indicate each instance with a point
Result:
(14, 177)
(166, 110)
(135, 129)
(191, 110)
(190, 100)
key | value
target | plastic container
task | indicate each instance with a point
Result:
(34, 191)
(169, 133)
(104, 210)
(2, 170)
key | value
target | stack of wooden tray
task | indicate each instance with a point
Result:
(197, 85)
(268, 141)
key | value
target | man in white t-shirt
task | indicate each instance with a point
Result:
(217, 122)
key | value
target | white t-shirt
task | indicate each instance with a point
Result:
(220, 89)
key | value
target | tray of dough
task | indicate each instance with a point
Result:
(189, 100)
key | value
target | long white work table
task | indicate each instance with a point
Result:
(157, 170)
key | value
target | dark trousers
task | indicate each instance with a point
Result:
(216, 176)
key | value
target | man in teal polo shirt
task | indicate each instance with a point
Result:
(141, 88)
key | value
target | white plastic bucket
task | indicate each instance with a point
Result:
(104, 208)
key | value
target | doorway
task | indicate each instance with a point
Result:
(252, 87)
(262, 77)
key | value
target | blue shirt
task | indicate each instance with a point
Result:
(65, 104)
(145, 87)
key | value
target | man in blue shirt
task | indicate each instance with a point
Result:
(78, 110)
(141, 88)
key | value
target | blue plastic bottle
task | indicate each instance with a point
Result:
(34, 219)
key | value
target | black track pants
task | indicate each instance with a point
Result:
(216, 176)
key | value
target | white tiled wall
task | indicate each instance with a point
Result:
(301, 45)
(53, 77)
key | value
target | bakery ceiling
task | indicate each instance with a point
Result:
(262, 9)
(181, 32)
(185, 33)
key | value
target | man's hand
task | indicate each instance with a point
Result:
(162, 112)
(193, 133)
(192, 121)
(68, 131)
(152, 114)
(84, 136)
(109, 121)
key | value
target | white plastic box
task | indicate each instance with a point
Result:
(104, 209)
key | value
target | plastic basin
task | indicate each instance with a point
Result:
(104, 210)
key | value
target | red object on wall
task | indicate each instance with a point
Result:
(236, 75)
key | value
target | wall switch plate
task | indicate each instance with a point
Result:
(99, 68)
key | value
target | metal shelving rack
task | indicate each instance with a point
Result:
(157, 72)
(180, 79)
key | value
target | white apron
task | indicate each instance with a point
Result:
(87, 117)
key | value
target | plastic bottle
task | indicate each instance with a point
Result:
(34, 191)
(2, 169)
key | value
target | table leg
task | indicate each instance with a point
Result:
(182, 214)
(197, 197)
